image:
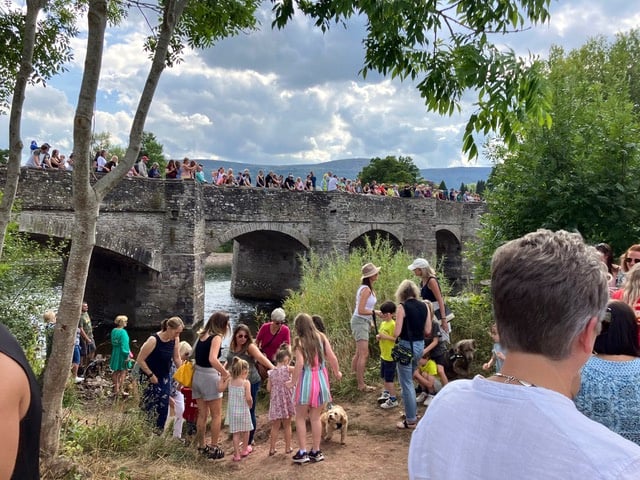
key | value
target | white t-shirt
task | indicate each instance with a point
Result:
(101, 162)
(332, 184)
(479, 429)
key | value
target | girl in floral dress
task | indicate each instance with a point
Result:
(281, 406)
(238, 405)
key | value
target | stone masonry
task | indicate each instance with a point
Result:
(154, 235)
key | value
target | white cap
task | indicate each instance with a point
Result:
(418, 263)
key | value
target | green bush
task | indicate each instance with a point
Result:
(328, 288)
(28, 273)
(117, 433)
(473, 320)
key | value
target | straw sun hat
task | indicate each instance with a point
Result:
(369, 270)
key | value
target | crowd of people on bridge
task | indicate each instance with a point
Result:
(42, 157)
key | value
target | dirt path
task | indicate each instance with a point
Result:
(375, 449)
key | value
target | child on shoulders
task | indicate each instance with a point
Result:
(388, 398)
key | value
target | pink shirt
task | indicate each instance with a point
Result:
(269, 343)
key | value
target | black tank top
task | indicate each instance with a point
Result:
(159, 360)
(27, 465)
(202, 352)
(414, 320)
(425, 291)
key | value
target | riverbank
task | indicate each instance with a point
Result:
(107, 442)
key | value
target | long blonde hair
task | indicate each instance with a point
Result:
(308, 339)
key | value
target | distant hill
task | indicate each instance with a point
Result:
(454, 176)
(350, 168)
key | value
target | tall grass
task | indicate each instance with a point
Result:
(473, 320)
(328, 288)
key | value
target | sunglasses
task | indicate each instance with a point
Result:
(632, 260)
(242, 335)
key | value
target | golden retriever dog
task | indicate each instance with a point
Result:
(334, 418)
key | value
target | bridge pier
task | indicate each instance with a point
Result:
(265, 266)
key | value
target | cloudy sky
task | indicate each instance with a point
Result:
(284, 96)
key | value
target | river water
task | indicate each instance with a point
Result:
(217, 297)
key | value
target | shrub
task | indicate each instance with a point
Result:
(473, 320)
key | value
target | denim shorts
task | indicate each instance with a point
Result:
(387, 370)
(76, 355)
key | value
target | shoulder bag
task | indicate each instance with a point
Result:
(400, 353)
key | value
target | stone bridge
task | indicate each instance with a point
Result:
(153, 237)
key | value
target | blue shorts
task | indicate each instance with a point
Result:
(76, 355)
(387, 370)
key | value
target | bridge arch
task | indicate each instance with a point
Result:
(244, 229)
(60, 226)
(357, 235)
(449, 252)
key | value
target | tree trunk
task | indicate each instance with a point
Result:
(86, 205)
(86, 202)
(15, 142)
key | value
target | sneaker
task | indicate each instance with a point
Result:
(316, 456)
(422, 397)
(389, 403)
(79, 379)
(300, 457)
(383, 397)
(427, 400)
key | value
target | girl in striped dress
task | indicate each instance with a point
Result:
(311, 382)
(238, 405)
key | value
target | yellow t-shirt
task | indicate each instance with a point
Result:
(387, 327)
(429, 368)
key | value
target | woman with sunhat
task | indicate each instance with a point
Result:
(361, 322)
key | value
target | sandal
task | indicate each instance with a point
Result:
(246, 451)
(288, 450)
(236, 458)
(272, 453)
(404, 425)
(213, 452)
(367, 388)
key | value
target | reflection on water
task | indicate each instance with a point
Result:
(217, 297)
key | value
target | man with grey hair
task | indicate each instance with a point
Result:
(549, 293)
